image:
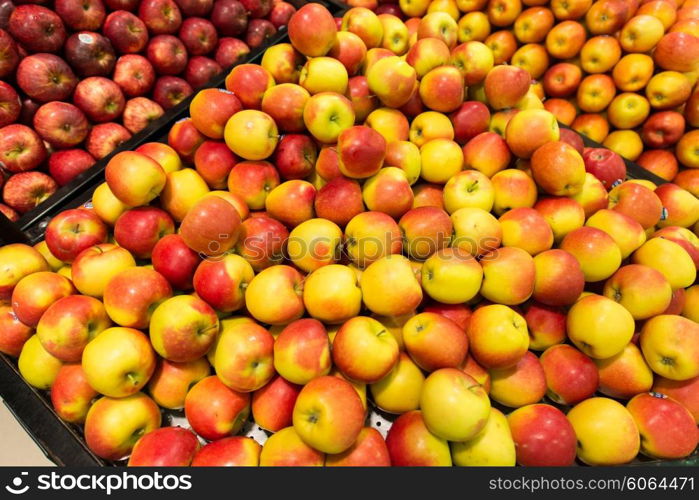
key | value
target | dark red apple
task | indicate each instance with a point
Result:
(99, 98)
(257, 8)
(105, 138)
(198, 35)
(61, 124)
(230, 52)
(10, 104)
(9, 56)
(168, 55)
(390, 8)
(163, 17)
(214, 161)
(169, 91)
(29, 107)
(281, 13)
(195, 8)
(663, 129)
(134, 74)
(259, 32)
(81, 15)
(200, 70)
(65, 165)
(471, 119)
(129, 5)
(25, 191)
(37, 28)
(605, 164)
(572, 138)
(46, 77)
(21, 149)
(8, 212)
(140, 112)
(90, 54)
(6, 8)
(295, 156)
(139, 229)
(127, 32)
(230, 17)
(173, 259)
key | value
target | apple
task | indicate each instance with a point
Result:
(167, 54)
(641, 33)
(35, 293)
(434, 341)
(169, 91)
(118, 362)
(542, 435)
(273, 404)
(510, 265)
(168, 446)
(354, 341)
(389, 286)
(261, 241)
(87, 15)
(253, 181)
(90, 54)
(286, 449)
(505, 86)
(61, 124)
(134, 178)
(286, 282)
(291, 202)
(105, 138)
(27, 190)
(393, 81)
(136, 415)
(201, 70)
(530, 129)
(410, 443)
(601, 334)
(162, 17)
(624, 375)
(399, 391)
(518, 385)
(9, 53)
(170, 381)
(198, 35)
(45, 77)
(229, 17)
(230, 51)
(667, 342)
(95, 266)
(570, 375)
(36, 365)
(131, 296)
(260, 32)
(10, 105)
(37, 28)
(682, 391)
(328, 398)
(546, 325)
(243, 358)
(369, 450)
(597, 252)
(71, 394)
(644, 291)
(487, 152)
(668, 257)
(339, 200)
(127, 32)
(101, 99)
(139, 112)
(667, 47)
(134, 74)
(307, 336)
(327, 115)
(14, 332)
(231, 451)
(21, 148)
(283, 62)
(72, 231)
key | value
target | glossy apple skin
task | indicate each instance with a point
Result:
(127, 33)
(211, 227)
(215, 411)
(21, 148)
(65, 165)
(71, 394)
(229, 452)
(543, 436)
(411, 444)
(165, 447)
(37, 28)
(13, 333)
(273, 404)
(72, 231)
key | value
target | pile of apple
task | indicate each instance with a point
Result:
(78, 80)
(339, 233)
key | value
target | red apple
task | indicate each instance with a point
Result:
(185, 138)
(295, 156)
(273, 404)
(198, 35)
(249, 83)
(469, 120)
(200, 70)
(543, 436)
(211, 227)
(6, 8)
(82, 14)
(663, 129)
(8, 212)
(65, 165)
(281, 13)
(214, 411)
(61, 124)
(169, 91)
(21, 148)
(168, 54)
(339, 200)
(139, 229)
(259, 32)
(214, 161)
(230, 51)
(606, 165)
(262, 241)
(46, 77)
(90, 54)
(72, 231)
(574, 139)
(26, 190)
(191, 8)
(37, 28)
(285, 103)
(105, 138)
(134, 74)
(313, 30)
(129, 5)
(9, 55)
(71, 394)
(139, 112)
(99, 98)
(162, 17)
(175, 261)
(10, 104)
(229, 17)
(257, 8)
(127, 32)
(165, 447)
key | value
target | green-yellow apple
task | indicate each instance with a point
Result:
(428, 126)
(69, 324)
(364, 350)
(323, 74)
(283, 62)
(370, 236)
(438, 25)
(302, 351)
(251, 134)
(244, 357)
(498, 336)
(326, 115)
(468, 189)
(606, 432)
(183, 189)
(434, 341)
(474, 60)
(454, 406)
(285, 284)
(451, 276)
(669, 344)
(183, 328)
(395, 34)
(440, 159)
(94, 267)
(328, 414)
(113, 426)
(118, 362)
(562, 214)
(314, 243)
(670, 259)
(392, 80)
(492, 447)
(599, 327)
(392, 125)
(399, 391)
(626, 232)
(389, 286)
(36, 365)
(599, 256)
